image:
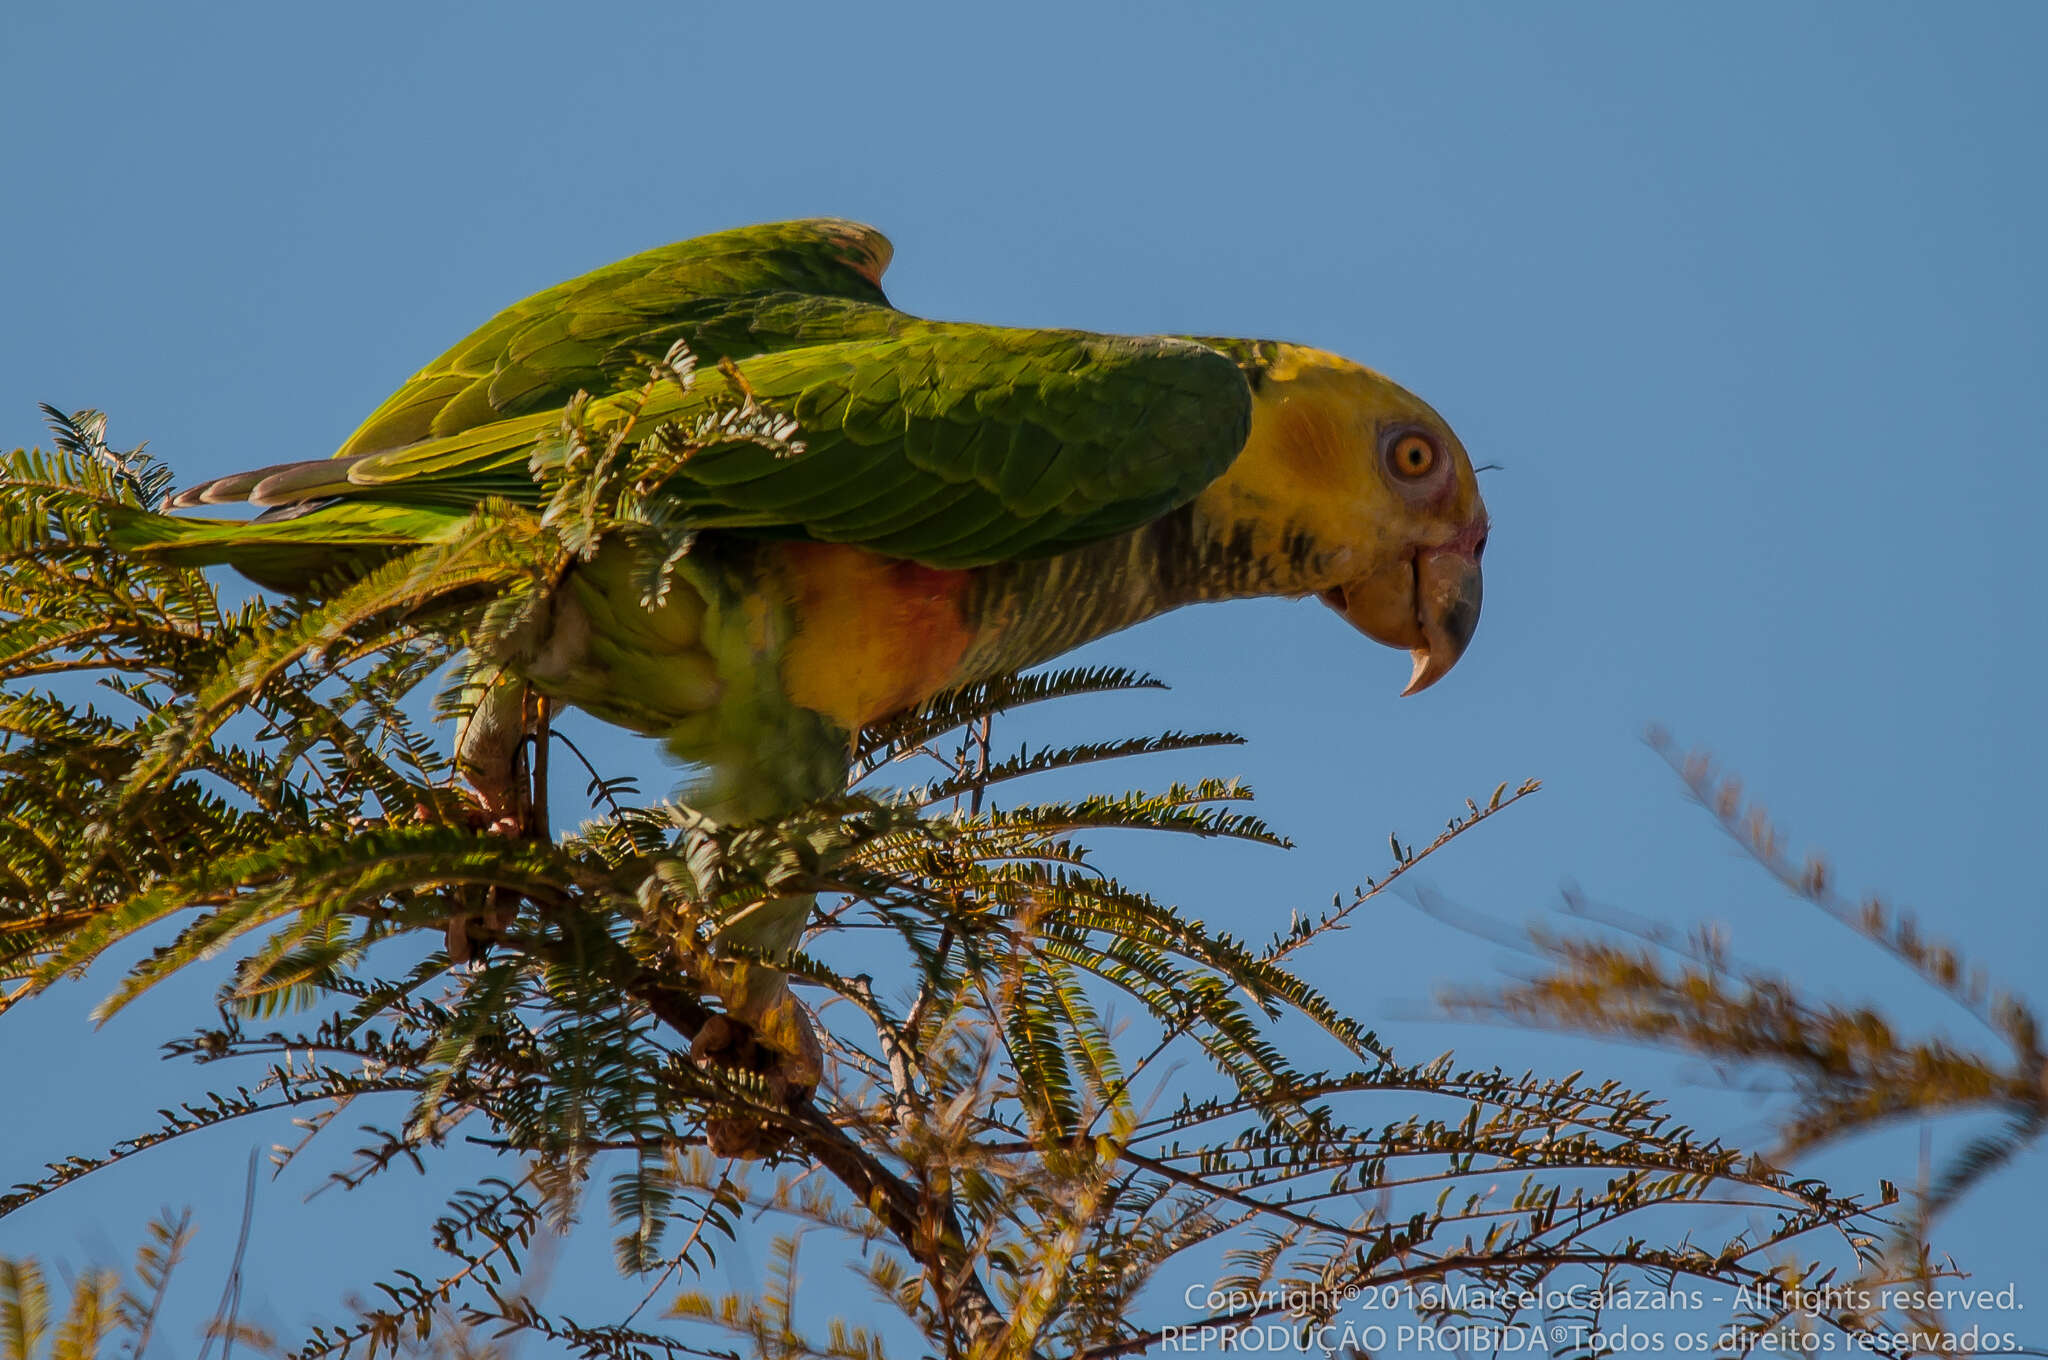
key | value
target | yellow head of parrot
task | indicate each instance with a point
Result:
(1371, 499)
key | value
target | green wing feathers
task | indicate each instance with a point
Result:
(966, 445)
(948, 444)
(538, 353)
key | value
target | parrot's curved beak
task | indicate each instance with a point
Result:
(1447, 593)
(1427, 603)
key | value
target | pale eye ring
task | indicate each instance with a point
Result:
(1411, 455)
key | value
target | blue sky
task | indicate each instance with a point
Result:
(1746, 300)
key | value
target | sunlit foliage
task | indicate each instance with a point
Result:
(1056, 1092)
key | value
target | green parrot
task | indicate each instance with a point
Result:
(969, 500)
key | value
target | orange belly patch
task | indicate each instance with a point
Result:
(872, 634)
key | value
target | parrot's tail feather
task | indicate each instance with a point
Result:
(316, 478)
(278, 484)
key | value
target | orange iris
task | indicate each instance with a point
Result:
(1413, 455)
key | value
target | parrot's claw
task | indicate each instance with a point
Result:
(765, 1031)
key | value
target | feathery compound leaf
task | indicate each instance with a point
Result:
(894, 737)
(24, 1309)
(1048, 758)
(92, 1318)
(84, 434)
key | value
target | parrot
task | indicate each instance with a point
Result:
(968, 501)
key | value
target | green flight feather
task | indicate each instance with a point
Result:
(576, 336)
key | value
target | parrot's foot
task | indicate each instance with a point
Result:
(765, 1031)
(470, 936)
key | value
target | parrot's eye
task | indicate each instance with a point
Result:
(1412, 455)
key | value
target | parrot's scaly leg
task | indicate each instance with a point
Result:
(491, 753)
